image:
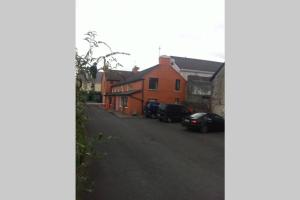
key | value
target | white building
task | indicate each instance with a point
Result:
(194, 67)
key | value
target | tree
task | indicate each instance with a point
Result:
(87, 67)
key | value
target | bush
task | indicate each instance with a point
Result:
(84, 148)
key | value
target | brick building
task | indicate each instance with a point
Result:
(160, 82)
(109, 78)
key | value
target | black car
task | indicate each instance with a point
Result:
(150, 109)
(172, 112)
(205, 122)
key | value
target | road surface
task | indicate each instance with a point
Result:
(151, 160)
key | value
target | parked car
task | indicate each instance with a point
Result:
(151, 108)
(205, 122)
(172, 112)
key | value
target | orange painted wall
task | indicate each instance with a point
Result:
(165, 93)
(106, 87)
(133, 105)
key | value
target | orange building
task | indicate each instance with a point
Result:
(109, 78)
(160, 82)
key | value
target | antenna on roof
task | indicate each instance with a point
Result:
(159, 51)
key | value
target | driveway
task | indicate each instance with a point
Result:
(152, 160)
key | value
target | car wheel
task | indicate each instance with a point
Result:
(204, 129)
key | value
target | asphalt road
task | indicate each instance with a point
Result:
(151, 160)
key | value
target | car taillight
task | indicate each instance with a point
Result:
(194, 121)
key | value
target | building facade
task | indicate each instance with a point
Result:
(194, 67)
(87, 85)
(197, 73)
(160, 82)
(168, 82)
(218, 92)
(109, 78)
(198, 94)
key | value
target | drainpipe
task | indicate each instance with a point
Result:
(143, 97)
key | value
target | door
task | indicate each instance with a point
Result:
(209, 122)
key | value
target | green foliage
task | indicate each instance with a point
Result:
(86, 69)
(93, 70)
(88, 65)
(85, 148)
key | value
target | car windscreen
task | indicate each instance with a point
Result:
(198, 115)
(162, 106)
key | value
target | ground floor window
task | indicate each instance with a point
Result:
(124, 100)
(152, 100)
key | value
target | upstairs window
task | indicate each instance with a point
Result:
(153, 83)
(177, 84)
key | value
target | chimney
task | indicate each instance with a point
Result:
(164, 60)
(135, 69)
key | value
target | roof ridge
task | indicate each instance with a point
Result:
(196, 64)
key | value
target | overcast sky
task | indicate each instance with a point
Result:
(187, 28)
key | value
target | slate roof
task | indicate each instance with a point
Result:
(137, 76)
(117, 75)
(198, 78)
(196, 64)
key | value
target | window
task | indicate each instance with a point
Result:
(216, 117)
(153, 83)
(177, 100)
(198, 115)
(124, 100)
(177, 84)
(152, 100)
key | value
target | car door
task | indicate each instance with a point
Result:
(209, 122)
(218, 122)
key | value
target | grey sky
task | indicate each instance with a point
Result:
(189, 28)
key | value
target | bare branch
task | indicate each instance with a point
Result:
(85, 62)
